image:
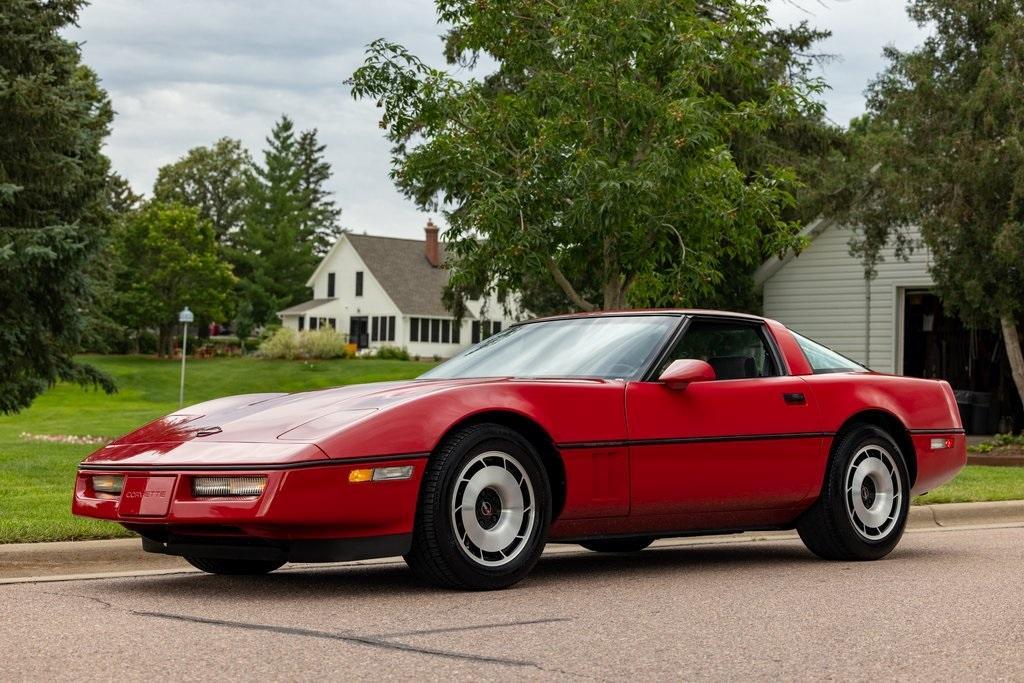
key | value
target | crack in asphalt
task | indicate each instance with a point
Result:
(370, 641)
(452, 629)
(93, 598)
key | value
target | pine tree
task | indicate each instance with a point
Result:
(277, 243)
(53, 210)
(322, 214)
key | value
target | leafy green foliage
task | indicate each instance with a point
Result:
(943, 148)
(167, 258)
(213, 180)
(601, 152)
(53, 120)
(998, 442)
(323, 343)
(388, 352)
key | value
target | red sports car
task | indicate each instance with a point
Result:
(607, 430)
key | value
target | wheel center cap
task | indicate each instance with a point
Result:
(488, 508)
(867, 493)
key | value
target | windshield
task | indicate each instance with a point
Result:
(823, 359)
(606, 347)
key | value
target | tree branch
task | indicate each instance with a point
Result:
(567, 287)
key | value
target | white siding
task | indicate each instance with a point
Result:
(821, 293)
(344, 261)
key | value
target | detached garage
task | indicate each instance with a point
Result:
(893, 323)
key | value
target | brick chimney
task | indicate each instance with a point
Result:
(432, 253)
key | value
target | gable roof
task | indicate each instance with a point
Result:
(775, 263)
(401, 267)
(304, 306)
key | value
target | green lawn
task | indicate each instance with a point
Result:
(977, 483)
(37, 478)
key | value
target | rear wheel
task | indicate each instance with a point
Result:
(214, 565)
(484, 510)
(618, 545)
(863, 507)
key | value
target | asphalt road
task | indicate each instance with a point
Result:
(947, 604)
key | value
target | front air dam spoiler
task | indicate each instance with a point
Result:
(318, 550)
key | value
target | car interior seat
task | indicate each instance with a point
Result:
(733, 367)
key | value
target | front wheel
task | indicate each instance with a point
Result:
(212, 565)
(863, 507)
(484, 511)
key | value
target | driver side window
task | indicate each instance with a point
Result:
(735, 350)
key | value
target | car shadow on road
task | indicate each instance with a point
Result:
(394, 579)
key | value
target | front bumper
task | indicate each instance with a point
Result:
(301, 502)
(310, 550)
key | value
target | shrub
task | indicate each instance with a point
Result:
(284, 343)
(392, 353)
(998, 441)
(323, 343)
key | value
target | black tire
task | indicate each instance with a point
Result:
(442, 551)
(618, 545)
(833, 528)
(214, 565)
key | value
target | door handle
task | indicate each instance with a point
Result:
(794, 399)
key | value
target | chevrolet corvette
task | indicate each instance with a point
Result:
(605, 430)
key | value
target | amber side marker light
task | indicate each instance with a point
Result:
(941, 443)
(380, 474)
(107, 485)
(217, 487)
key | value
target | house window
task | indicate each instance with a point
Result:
(312, 322)
(302, 323)
(414, 329)
(446, 331)
(359, 283)
(482, 329)
(330, 285)
(382, 328)
(435, 330)
(456, 332)
(333, 322)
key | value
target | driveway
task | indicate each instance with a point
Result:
(947, 604)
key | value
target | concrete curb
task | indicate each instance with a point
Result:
(125, 556)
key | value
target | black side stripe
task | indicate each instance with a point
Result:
(340, 462)
(947, 430)
(695, 439)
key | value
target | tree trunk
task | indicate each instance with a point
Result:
(164, 341)
(1012, 341)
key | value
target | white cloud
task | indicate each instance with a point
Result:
(183, 73)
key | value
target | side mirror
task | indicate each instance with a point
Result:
(686, 370)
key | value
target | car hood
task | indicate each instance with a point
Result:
(269, 418)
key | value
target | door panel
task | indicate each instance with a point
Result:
(723, 445)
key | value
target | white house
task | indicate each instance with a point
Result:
(893, 323)
(387, 291)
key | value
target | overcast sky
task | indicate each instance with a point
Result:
(183, 73)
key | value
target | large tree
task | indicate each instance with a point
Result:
(53, 120)
(322, 213)
(167, 258)
(214, 180)
(601, 148)
(943, 148)
(289, 218)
